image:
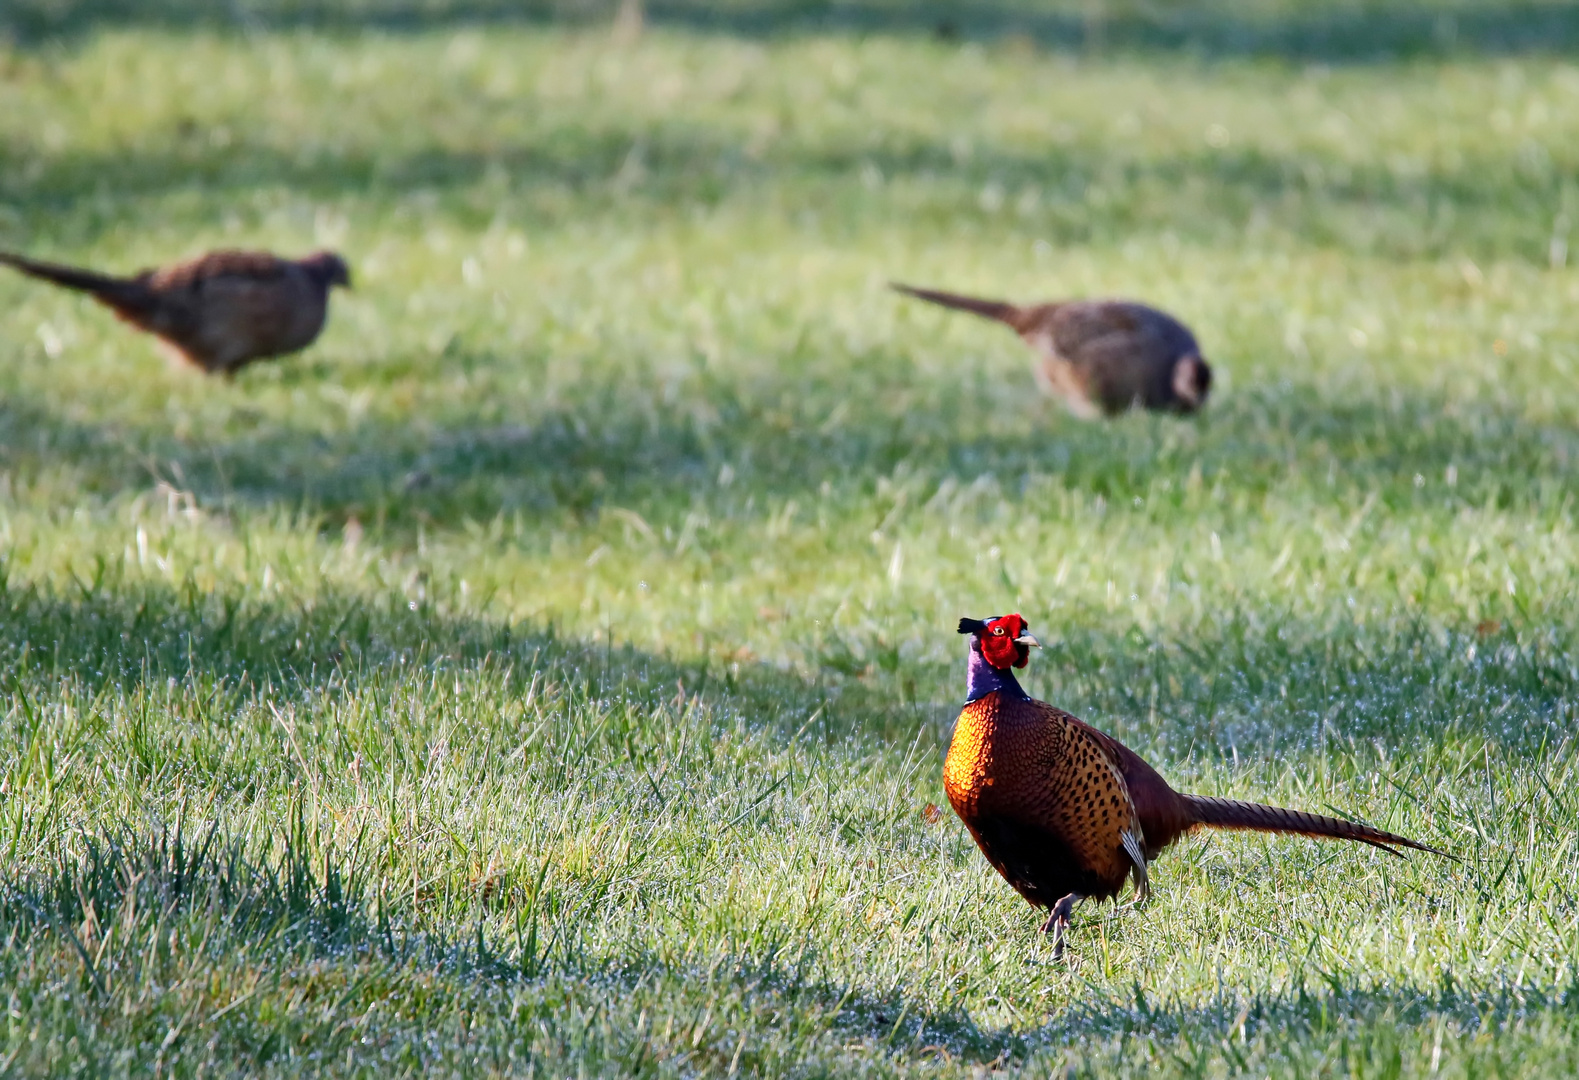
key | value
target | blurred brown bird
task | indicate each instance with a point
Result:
(219, 311)
(1065, 812)
(1101, 356)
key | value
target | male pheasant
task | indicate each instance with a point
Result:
(1065, 812)
(220, 311)
(1101, 356)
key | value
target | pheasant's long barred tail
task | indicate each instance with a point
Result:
(997, 310)
(1232, 814)
(69, 277)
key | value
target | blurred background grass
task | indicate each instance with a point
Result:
(550, 668)
(1363, 30)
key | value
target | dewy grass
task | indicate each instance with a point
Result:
(549, 672)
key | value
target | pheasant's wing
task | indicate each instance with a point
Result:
(1088, 803)
(1093, 353)
(229, 307)
(1086, 329)
(248, 266)
(1164, 814)
(1123, 352)
(1038, 328)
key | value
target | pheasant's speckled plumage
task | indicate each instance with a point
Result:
(1043, 797)
(1065, 812)
(219, 311)
(1100, 356)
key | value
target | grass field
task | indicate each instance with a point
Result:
(550, 671)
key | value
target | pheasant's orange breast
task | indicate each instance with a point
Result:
(995, 758)
(968, 768)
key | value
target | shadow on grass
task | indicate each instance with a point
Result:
(139, 929)
(1258, 684)
(621, 446)
(1329, 32)
(218, 661)
(1477, 204)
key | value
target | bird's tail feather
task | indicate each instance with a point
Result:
(997, 310)
(68, 276)
(1232, 814)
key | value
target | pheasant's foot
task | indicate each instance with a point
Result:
(1057, 923)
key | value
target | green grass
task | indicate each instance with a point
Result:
(548, 672)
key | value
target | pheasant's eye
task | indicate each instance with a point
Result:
(997, 631)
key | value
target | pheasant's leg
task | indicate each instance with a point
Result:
(1057, 922)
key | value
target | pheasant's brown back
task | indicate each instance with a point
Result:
(1043, 798)
(260, 266)
(1110, 354)
(228, 308)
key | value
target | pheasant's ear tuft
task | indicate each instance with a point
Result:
(972, 626)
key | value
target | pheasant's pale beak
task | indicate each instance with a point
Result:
(1027, 639)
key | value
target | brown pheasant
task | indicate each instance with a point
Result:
(1065, 812)
(220, 311)
(1101, 356)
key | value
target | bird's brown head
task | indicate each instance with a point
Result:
(1192, 381)
(1005, 641)
(328, 268)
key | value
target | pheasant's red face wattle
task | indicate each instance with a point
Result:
(1000, 643)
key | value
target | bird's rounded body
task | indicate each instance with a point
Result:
(1041, 797)
(219, 311)
(1101, 356)
(230, 308)
(1112, 355)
